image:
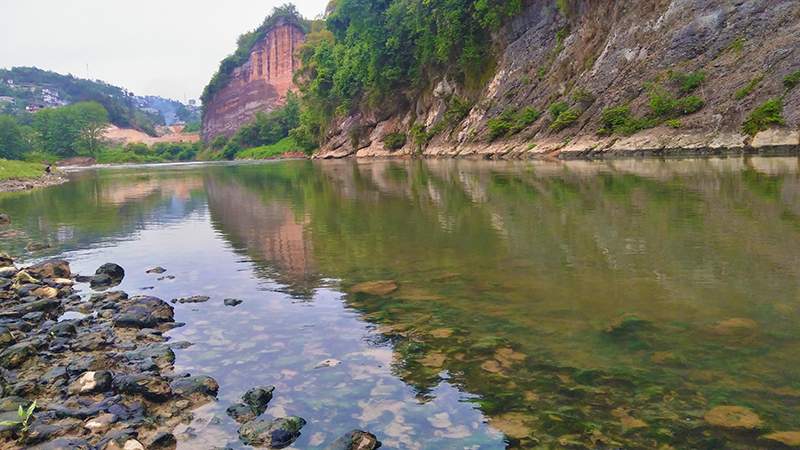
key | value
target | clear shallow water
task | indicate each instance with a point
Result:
(561, 305)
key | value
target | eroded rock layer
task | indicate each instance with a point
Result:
(260, 84)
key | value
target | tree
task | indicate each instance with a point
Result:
(93, 120)
(12, 138)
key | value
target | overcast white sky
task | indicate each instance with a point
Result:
(152, 47)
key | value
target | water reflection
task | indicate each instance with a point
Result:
(578, 305)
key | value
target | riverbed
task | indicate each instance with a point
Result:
(445, 304)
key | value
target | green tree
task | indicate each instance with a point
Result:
(12, 138)
(70, 129)
(93, 119)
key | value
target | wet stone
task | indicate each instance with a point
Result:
(278, 433)
(232, 302)
(258, 398)
(241, 413)
(91, 382)
(157, 269)
(201, 384)
(15, 355)
(4, 219)
(162, 441)
(53, 268)
(144, 312)
(355, 440)
(192, 299)
(151, 387)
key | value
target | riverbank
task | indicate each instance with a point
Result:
(21, 176)
(97, 371)
(656, 143)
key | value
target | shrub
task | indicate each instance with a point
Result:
(618, 120)
(556, 109)
(689, 105)
(581, 95)
(501, 125)
(394, 141)
(749, 88)
(525, 118)
(688, 82)
(565, 119)
(791, 81)
(769, 113)
(674, 123)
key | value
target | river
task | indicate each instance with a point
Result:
(517, 304)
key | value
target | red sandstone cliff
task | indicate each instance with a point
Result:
(260, 84)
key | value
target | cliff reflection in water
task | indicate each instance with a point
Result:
(598, 303)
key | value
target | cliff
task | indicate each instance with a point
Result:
(652, 77)
(260, 84)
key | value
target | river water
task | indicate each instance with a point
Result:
(524, 304)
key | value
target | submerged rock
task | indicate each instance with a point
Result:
(787, 438)
(34, 246)
(192, 299)
(377, 288)
(626, 324)
(278, 433)
(157, 269)
(736, 326)
(733, 417)
(355, 440)
(5, 219)
(232, 302)
(241, 413)
(151, 387)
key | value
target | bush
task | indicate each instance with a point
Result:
(688, 82)
(618, 120)
(791, 81)
(665, 106)
(674, 123)
(512, 121)
(769, 113)
(689, 105)
(394, 141)
(749, 88)
(556, 109)
(525, 118)
(565, 119)
(287, 144)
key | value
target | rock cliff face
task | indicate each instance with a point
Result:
(260, 84)
(597, 54)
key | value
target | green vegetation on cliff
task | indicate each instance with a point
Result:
(367, 55)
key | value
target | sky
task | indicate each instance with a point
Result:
(169, 48)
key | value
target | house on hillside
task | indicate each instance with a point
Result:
(33, 107)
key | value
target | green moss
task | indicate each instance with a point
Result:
(791, 81)
(768, 113)
(748, 88)
(673, 123)
(394, 141)
(19, 170)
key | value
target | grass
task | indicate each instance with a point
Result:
(287, 144)
(119, 155)
(565, 120)
(688, 82)
(20, 170)
(748, 88)
(792, 81)
(512, 121)
(768, 113)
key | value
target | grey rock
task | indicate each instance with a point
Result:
(157, 269)
(151, 387)
(241, 413)
(258, 398)
(192, 299)
(144, 312)
(52, 268)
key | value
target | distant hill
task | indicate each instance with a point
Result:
(27, 89)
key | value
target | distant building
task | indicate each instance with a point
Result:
(33, 107)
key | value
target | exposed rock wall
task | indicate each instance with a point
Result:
(260, 84)
(612, 50)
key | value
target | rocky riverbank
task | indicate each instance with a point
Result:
(46, 180)
(95, 370)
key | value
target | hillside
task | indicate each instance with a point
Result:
(26, 89)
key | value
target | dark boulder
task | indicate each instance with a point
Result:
(144, 312)
(13, 356)
(232, 302)
(163, 441)
(150, 387)
(201, 384)
(241, 413)
(115, 271)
